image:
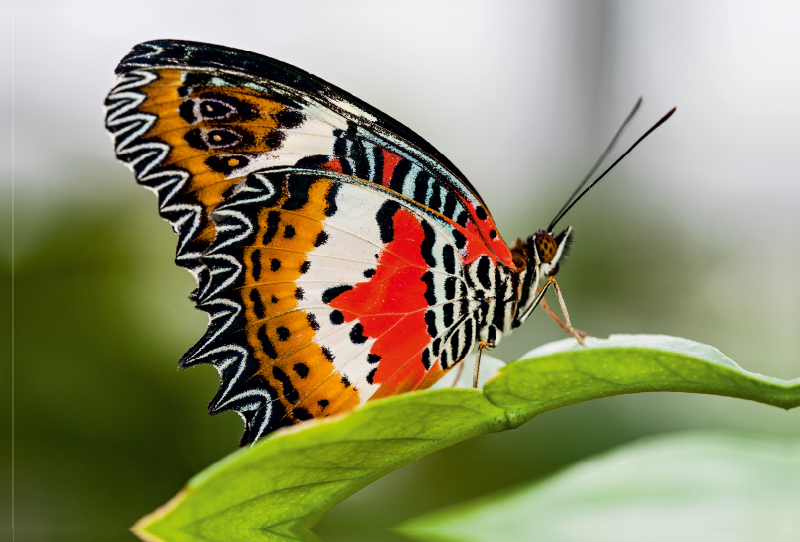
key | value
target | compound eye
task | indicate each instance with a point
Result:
(546, 246)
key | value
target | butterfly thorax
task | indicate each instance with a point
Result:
(536, 258)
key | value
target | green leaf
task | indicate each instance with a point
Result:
(680, 487)
(282, 484)
(285, 482)
(563, 373)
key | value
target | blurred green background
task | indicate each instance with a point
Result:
(696, 235)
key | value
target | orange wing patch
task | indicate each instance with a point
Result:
(211, 132)
(281, 335)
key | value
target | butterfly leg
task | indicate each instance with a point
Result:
(546, 308)
(458, 374)
(568, 324)
(481, 346)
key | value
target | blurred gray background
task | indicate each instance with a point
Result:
(696, 234)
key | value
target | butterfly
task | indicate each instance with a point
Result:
(340, 257)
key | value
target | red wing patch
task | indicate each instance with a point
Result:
(391, 306)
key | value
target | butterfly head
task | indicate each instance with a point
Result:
(537, 258)
(546, 250)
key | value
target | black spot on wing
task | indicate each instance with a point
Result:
(384, 218)
(255, 264)
(449, 259)
(347, 166)
(258, 305)
(421, 187)
(460, 239)
(377, 158)
(448, 314)
(266, 344)
(186, 111)
(484, 268)
(225, 164)
(298, 190)
(358, 156)
(454, 346)
(195, 139)
(301, 369)
(430, 293)
(333, 292)
(214, 109)
(435, 202)
(217, 106)
(330, 200)
(450, 201)
(289, 391)
(228, 137)
(450, 288)
(430, 322)
(357, 334)
(312, 321)
(337, 318)
(401, 171)
(283, 333)
(321, 239)
(428, 240)
(289, 118)
(426, 359)
(273, 221)
(274, 139)
(301, 414)
(340, 146)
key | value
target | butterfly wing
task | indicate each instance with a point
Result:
(330, 243)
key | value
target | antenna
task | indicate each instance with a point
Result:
(599, 161)
(564, 210)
